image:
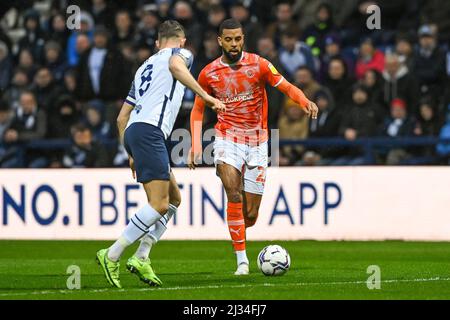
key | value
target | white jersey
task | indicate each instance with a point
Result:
(155, 94)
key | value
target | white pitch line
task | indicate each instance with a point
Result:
(298, 284)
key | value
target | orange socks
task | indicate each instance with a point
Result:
(236, 225)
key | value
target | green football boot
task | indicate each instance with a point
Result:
(110, 268)
(143, 269)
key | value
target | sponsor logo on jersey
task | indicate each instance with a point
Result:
(239, 98)
(273, 69)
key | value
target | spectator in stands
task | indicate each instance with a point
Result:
(437, 12)
(374, 83)
(5, 123)
(34, 38)
(325, 126)
(361, 119)
(19, 83)
(294, 54)
(82, 45)
(429, 63)
(120, 157)
(339, 82)
(124, 31)
(103, 13)
(427, 126)
(428, 122)
(79, 41)
(27, 63)
(164, 9)
(184, 14)
(29, 123)
(443, 148)
(404, 50)
(58, 31)
(252, 29)
(293, 124)
(369, 58)
(284, 23)
(400, 83)
(5, 118)
(147, 28)
(314, 35)
(69, 83)
(98, 71)
(101, 129)
(210, 51)
(267, 50)
(85, 152)
(333, 50)
(329, 118)
(399, 124)
(216, 14)
(304, 79)
(143, 53)
(6, 67)
(54, 60)
(63, 118)
(45, 89)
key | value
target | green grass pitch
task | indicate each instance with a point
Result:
(203, 270)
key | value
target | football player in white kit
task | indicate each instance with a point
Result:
(145, 122)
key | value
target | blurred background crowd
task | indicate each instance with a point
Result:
(61, 89)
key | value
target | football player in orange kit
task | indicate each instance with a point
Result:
(238, 79)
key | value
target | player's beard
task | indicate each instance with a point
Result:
(231, 58)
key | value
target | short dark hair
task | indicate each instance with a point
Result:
(229, 24)
(170, 29)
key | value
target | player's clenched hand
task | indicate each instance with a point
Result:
(193, 159)
(133, 171)
(312, 110)
(214, 104)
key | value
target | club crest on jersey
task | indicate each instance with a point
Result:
(250, 73)
(273, 69)
(137, 108)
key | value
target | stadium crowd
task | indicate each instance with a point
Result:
(57, 83)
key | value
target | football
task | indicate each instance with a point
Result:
(274, 260)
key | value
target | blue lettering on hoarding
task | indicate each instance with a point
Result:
(191, 204)
(303, 204)
(78, 188)
(108, 204)
(37, 216)
(207, 198)
(129, 204)
(327, 204)
(285, 212)
(9, 201)
(174, 218)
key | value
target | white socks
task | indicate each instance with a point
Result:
(136, 228)
(241, 257)
(155, 233)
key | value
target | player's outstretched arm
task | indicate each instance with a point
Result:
(275, 79)
(195, 153)
(122, 119)
(298, 96)
(177, 67)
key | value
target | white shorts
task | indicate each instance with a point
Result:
(251, 161)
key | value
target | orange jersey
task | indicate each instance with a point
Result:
(241, 87)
